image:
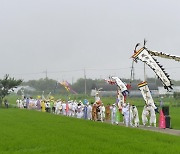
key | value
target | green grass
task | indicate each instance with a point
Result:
(139, 102)
(28, 131)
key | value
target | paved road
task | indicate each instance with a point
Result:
(156, 129)
(166, 130)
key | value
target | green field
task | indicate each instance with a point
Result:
(174, 105)
(28, 131)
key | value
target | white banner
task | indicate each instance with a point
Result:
(143, 87)
(164, 55)
(145, 57)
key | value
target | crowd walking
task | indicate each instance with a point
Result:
(95, 111)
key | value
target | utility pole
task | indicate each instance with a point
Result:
(72, 81)
(85, 81)
(46, 73)
(144, 71)
(145, 79)
(155, 80)
(132, 71)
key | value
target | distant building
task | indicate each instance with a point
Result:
(28, 88)
(163, 91)
(110, 90)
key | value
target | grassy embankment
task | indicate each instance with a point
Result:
(174, 105)
(28, 131)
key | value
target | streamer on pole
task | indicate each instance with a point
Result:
(143, 55)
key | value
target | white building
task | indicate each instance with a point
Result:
(163, 91)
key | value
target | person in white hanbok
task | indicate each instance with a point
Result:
(79, 113)
(135, 116)
(113, 113)
(58, 107)
(149, 111)
(63, 108)
(145, 113)
(126, 114)
(89, 112)
(17, 102)
(21, 104)
(102, 111)
(73, 108)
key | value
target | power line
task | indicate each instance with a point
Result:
(79, 70)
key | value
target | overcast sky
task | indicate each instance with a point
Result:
(65, 37)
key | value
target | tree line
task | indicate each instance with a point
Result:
(49, 85)
(8, 84)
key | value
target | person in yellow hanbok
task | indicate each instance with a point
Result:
(43, 106)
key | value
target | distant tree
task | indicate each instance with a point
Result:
(176, 95)
(47, 85)
(7, 85)
(79, 86)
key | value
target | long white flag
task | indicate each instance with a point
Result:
(164, 55)
(145, 57)
(143, 87)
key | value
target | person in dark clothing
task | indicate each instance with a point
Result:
(6, 103)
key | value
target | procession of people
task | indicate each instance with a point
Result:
(96, 111)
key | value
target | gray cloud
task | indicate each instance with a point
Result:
(66, 36)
